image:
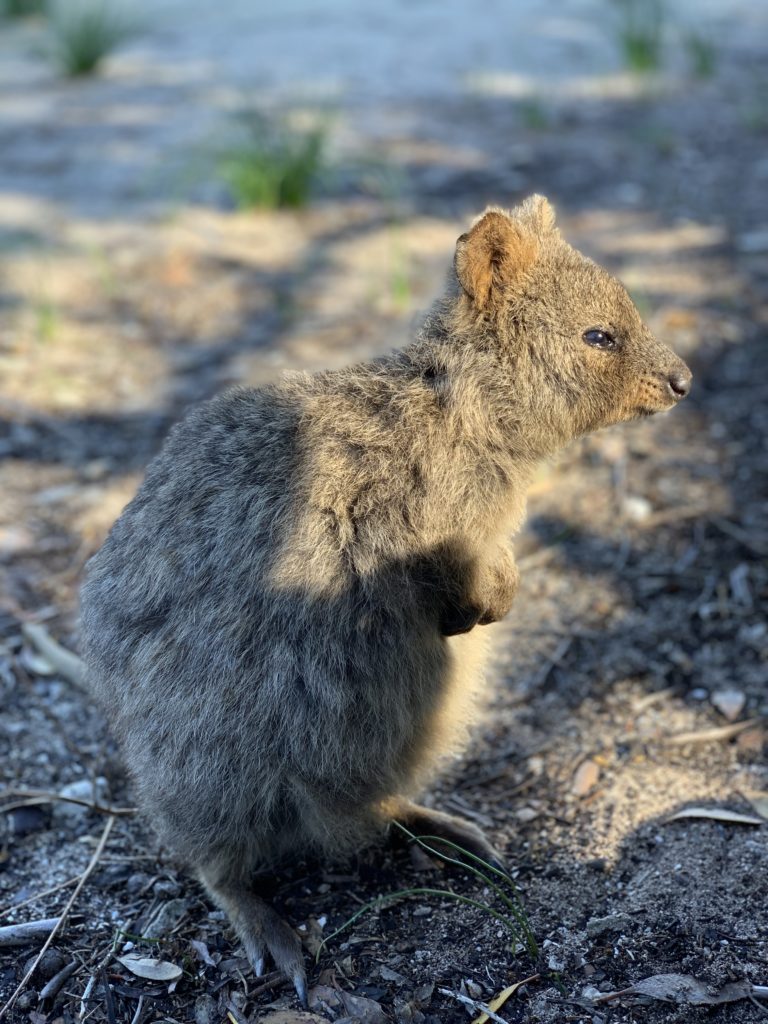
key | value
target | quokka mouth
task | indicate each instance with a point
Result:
(652, 410)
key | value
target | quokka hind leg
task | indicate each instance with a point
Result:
(260, 928)
(423, 821)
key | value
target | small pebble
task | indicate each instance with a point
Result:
(136, 882)
(166, 887)
(636, 508)
(729, 703)
(585, 778)
(70, 814)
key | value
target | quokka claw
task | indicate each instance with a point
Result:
(300, 984)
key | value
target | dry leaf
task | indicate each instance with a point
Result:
(202, 951)
(717, 814)
(751, 740)
(292, 1017)
(311, 936)
(585, 778)
(499, 1000)
(148, 967)
(729, 703)
(682, 988)
(367, 1010)
(760, 803)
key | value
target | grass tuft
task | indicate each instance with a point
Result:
(84, 32)
(514, 919)
(274, 166)
(534, 114)
(22, 8)
(702, 55)
(641, 28)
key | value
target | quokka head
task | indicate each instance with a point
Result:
(575, 345)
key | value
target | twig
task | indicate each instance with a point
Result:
(96, 972)
(723, 732)
(38, 896)
(533, 682)
(610, 996)
(31, 797)
(674, 515)
(536, 559)
(136, 1019)
(49, 990)
(274, 980)
(64, 661)
(109, 1001)
(20, 934)
(474, 1004)
(59, 921)
(732, 530)
(86, 996)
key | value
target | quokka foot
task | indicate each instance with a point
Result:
(260, 929)
(423, 821)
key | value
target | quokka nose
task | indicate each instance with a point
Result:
(680, 383)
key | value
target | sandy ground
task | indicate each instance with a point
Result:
(630, 679)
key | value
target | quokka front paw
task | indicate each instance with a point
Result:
(500, 588)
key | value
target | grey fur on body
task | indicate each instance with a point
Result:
(272, 625)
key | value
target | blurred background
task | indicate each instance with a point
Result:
(197, 194)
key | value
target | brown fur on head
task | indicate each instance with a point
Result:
(567, 330)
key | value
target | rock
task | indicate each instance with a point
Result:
(636, 508)
(111, 875)
(206, 1011)
(52, 962)
(612, 923)
(753, 241)
(585, 778)
(24, 820)
(136, 882)
(166, 918)
(729, 703)
(26, 999)
(389, 975)
(471, 988)
(166, 887)
(84, 789)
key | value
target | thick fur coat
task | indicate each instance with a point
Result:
(273, 625)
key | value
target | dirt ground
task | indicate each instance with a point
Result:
(629, 682)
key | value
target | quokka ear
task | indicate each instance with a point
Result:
(536, 213)
(492, 256)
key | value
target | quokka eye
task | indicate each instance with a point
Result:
(599, 339)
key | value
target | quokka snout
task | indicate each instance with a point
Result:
(282, 626)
